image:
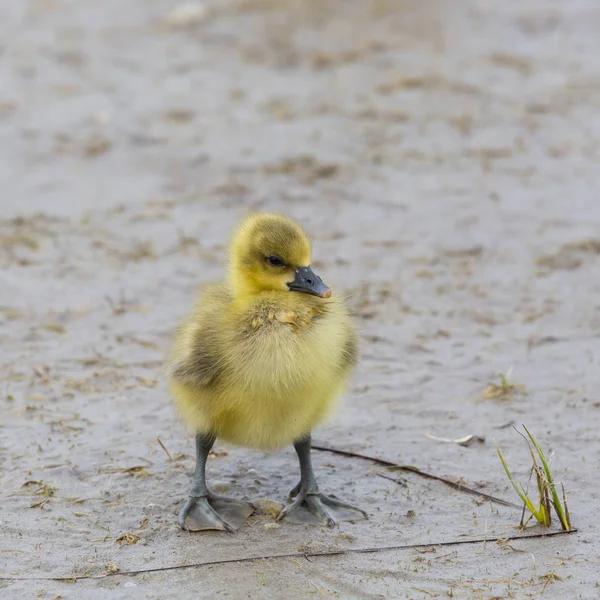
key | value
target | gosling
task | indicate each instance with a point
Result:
(259, 363)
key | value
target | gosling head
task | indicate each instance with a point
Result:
(272, 253)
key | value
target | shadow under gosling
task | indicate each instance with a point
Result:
(259, 363)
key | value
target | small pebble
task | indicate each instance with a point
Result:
(101, 117)
(187, 13)
(221, 486)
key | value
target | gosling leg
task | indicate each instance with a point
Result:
(205, 510)
(310, 505)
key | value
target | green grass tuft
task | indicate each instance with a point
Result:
(548, 497)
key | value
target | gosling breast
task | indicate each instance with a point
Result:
(265, 373)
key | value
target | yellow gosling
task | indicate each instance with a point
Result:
(259, 363)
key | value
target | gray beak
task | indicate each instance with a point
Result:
(308, 282)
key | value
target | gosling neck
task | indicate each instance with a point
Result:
(243, 285)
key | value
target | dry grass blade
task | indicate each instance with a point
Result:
(128, 470)
(567, 515)
(465, 441)
(160, 442)
(127, 539)
(416, 471)
(305, 554)
(548, 577)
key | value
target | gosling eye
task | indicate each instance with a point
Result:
(275, 261)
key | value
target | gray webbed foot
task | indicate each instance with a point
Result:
(205, 510)
(319, 508)
(214, 512)
(310, 506)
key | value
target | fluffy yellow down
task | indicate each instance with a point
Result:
(256, 364)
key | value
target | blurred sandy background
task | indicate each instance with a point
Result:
(444, 157)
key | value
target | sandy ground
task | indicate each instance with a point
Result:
(444, 157)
